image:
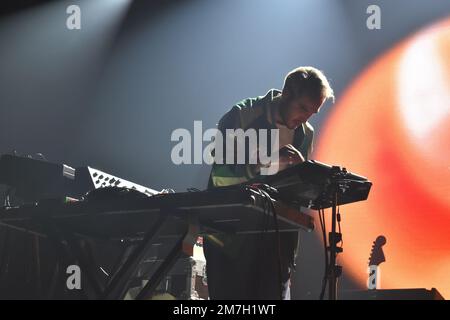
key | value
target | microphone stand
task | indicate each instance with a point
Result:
(334, 270)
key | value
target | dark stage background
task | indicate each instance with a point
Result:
(110, 95)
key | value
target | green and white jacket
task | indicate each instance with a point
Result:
(253, 113)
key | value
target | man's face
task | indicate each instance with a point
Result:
(297, 111)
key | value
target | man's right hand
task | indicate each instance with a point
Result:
(289, 156)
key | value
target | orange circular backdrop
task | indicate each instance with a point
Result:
(392, 125)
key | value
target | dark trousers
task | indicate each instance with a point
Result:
(248, 266)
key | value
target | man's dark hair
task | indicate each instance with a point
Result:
(307, 80)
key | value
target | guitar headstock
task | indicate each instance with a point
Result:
(377, 254)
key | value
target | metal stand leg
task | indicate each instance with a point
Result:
(72, 250)
(335, 271)
(118, 286)
(162, 270)
(86, 264)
